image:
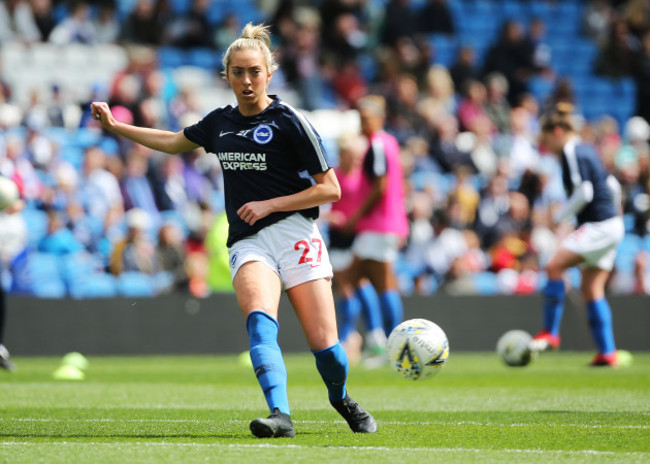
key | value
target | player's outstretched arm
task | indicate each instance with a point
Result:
(156, 139)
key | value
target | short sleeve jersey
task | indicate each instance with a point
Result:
(389, 214)
(580, 163)
(264, 156)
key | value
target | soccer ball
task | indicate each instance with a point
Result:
(513, 347)
(417, 349)
(8, 192)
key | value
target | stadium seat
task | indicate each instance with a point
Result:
(171, 57)
(136, 284)
(485, 283)
(51, 288)
(98, 285)
(36, 220)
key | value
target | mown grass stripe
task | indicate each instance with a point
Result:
(237, 421)
(587, 452)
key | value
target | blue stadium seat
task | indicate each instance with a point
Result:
(203, 58)
(485, 283)
(36, 220)
(51, 288)
(98, 285)
(171, 57)
(540, 87)
(136, 284)
(180, 6)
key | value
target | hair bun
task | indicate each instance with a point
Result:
(564, 108)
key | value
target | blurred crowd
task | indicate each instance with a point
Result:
(481, 189)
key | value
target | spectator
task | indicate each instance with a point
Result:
(439, 95)
(636, 14)
(107, 27)
(145, 23)
(171, 255)
(597, 18)
(136, 188)
(494, 206)
(496, 106)
(59, 240)
(616, 56)
(538, 48)
(43, 17)
(17, 22)
(511, 57)
(522, 154)
(443, 147)
(398, 22)
(641, 72)
(464, 68)
(472, 106)
(135, 252)
(75, 28)
(191, 29)
(99, 190)
(435, 17)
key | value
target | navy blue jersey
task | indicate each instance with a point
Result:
(580, 163)
(263, 156)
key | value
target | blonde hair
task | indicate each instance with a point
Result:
(374, 103)
(253, 37)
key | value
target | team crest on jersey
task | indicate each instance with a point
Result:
(263, 134)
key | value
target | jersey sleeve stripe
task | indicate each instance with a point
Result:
(379, 158)
(572, 162)
(311, 134)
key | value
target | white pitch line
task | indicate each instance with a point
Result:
(589, 452)
(401, 423)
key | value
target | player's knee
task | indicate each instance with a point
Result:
(553, 270)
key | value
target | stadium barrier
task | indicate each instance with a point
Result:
(180, 324)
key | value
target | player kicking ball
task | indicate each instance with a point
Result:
(265, 146)
(594, 197)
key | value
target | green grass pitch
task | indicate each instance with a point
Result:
(189, 409)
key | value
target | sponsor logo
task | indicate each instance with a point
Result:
(233, 259)
(237, 161)
(222, 133)
(263, 134)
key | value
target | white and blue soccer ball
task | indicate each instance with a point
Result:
(417, 349)
(514, 348)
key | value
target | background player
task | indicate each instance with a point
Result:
(594, 198)
(265, 147)
(380, 222)
(351, 300)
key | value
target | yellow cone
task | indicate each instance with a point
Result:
(68, 373)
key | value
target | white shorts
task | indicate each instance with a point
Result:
(292, 247)
(341, 258)
(376, 246)
(596, 242)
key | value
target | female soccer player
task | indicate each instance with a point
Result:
(594, 198)
(265, 148)
(351, 301)
(380, 222)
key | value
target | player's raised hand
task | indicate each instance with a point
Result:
(102, 113)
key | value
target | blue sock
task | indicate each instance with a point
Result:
(553, 306)
(600, 321)
(392, 309)
(370, 306)
(267, 359)
(332, 363)
(348, 308)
